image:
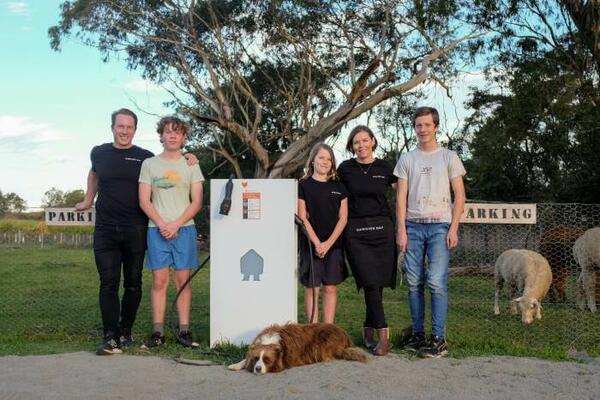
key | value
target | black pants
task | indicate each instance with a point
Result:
(375, 317)
(117, 247)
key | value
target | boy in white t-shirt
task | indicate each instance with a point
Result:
(170, 194)
(428, 226)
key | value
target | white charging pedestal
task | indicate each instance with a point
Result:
(253, 258)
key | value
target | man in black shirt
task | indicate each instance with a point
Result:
(120, 232)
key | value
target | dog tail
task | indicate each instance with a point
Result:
(355, 354)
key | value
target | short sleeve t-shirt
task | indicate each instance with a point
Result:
(323, 201)
(366, 185)
(171, 181)
(117, 171)
(429, 176)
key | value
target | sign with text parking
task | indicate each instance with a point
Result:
(490, 213)
(70, 216)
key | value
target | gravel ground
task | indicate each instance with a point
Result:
(84, 375)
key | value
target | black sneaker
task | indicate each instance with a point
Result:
(185, 338)
(435, 349)
(127, 339)
(415, 342)
(110, 346)
(153, 341)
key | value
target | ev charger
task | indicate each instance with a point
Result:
(253, 258)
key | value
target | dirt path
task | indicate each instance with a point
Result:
(84, 375)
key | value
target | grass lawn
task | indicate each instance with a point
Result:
(49, 304)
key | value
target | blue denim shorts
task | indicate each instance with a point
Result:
(179, 253)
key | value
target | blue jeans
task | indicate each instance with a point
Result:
(427, 239)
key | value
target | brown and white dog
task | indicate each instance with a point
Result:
(279, 347)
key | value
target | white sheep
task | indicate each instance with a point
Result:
(586, 251)
(528, 272)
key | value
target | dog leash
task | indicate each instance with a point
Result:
(174, 303)
(196, 364)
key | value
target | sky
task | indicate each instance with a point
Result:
(55, 106)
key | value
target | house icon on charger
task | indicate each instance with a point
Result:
(251, 263)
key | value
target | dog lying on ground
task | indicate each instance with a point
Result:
(279, 347)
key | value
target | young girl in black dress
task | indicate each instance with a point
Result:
(323, 207)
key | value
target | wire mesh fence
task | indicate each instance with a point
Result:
(51, 292)
(21, 238)
(566, 321)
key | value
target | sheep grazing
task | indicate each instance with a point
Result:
(556, 246)
(586, 251)
(528, 272)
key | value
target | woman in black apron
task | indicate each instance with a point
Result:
(369, 236)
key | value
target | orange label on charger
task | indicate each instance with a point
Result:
(251, 207)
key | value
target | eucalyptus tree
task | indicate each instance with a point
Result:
(264, 80)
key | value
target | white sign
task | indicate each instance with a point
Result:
(253, 258)
(70, 216)
(489, 213)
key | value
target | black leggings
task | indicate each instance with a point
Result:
(117, 248)
(375, 317)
